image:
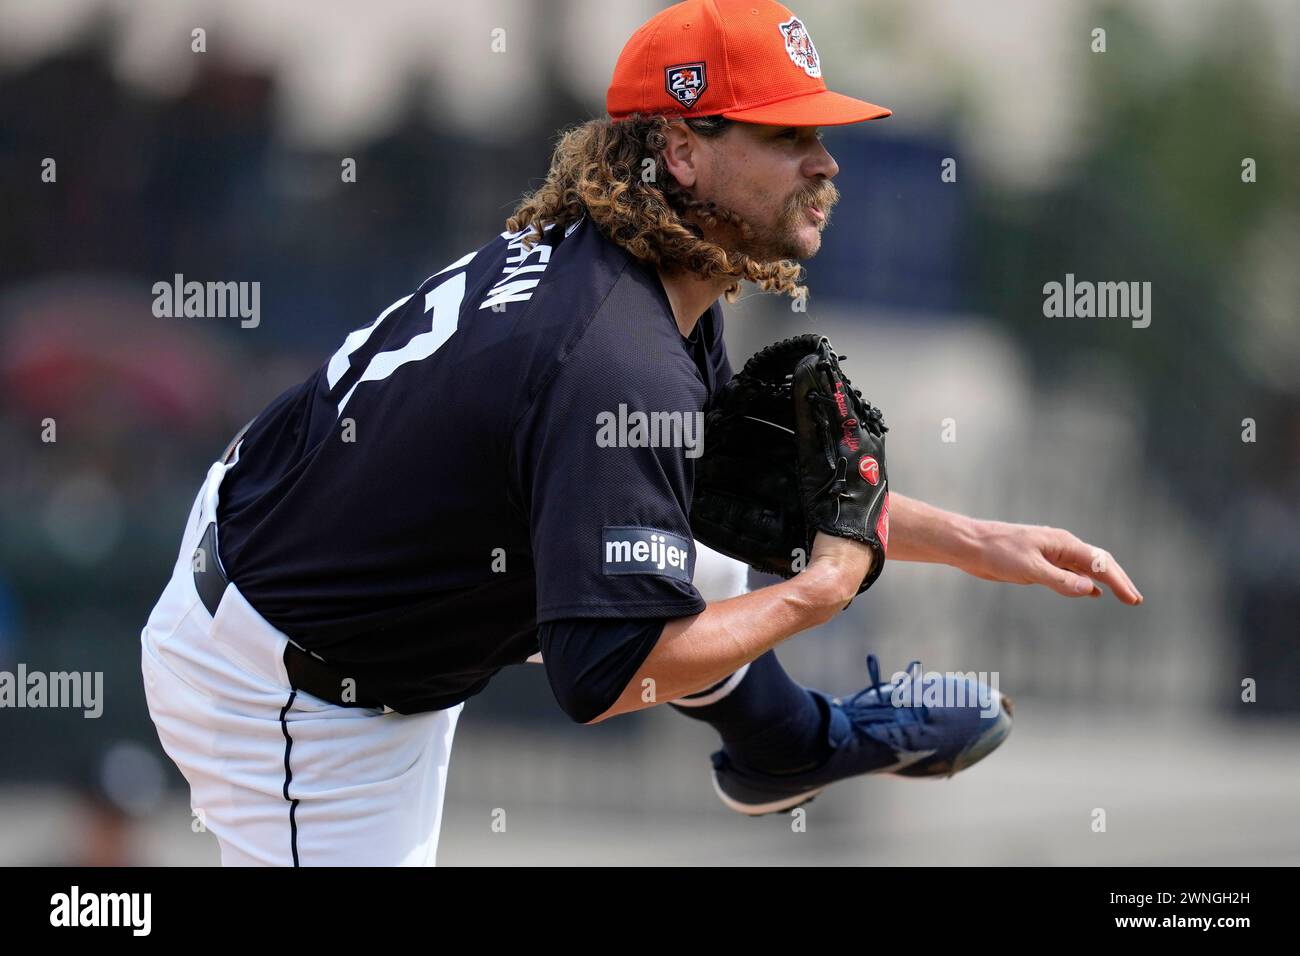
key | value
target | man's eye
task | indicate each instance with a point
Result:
(790, 134)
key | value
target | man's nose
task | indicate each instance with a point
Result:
(821, 163)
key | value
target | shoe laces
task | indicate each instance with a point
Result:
(883, 710)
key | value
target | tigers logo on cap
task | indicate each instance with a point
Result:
(799, 46)
(685, 82)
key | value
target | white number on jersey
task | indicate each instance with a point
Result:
(443, 300)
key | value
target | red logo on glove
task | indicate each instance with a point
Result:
(882, 525)
(869, 469)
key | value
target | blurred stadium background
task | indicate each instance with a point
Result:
(1123, 166)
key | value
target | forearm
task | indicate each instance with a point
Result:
(1009, 553)
(922, 532)
(696, 652)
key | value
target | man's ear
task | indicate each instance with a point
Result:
(681, 154)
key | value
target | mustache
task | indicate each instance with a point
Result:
(823, 197)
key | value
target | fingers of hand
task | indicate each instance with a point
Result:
(1065, 582)
(1098, 564)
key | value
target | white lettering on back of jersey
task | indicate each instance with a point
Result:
(519, 277)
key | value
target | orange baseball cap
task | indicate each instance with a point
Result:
(747, 60)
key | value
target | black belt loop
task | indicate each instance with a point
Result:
(306, 672)
(209, 580)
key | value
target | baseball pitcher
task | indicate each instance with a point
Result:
(541, 453)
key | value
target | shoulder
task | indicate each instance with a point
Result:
(606, 319)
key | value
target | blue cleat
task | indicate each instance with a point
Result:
(878, 730)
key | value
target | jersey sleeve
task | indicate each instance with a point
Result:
(604, 466)
(589, 661)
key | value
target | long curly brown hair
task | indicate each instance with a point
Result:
(613, 171)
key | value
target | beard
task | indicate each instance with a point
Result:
(780, 238)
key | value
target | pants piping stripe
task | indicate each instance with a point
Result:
(288, 778)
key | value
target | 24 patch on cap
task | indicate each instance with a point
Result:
(685, 82)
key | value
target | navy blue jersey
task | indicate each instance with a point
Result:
(511, 444)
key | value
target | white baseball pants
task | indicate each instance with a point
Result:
(280, 777)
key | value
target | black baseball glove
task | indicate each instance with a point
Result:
(790, 449)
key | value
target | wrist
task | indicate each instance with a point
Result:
(830, 583)
(968, 539)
